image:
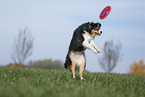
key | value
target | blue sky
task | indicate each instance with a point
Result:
(53, 22)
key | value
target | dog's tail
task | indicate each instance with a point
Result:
(67, 62)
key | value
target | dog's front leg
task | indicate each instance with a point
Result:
(94, 45)
(86, 44)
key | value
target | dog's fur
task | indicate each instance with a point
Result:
(82, 38)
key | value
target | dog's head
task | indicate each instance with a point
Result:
(94, 29)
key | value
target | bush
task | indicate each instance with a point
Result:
(16, 66)
(137, 67)
(47, 64)
(1, 66)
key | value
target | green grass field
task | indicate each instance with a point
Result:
(51, 83)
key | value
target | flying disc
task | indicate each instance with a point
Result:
(105, 12)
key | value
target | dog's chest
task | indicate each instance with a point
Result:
(88, 37)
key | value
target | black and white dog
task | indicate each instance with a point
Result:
(83, 38)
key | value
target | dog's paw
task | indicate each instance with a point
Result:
(74, 77)
(95, 51)
(82, 78)
(99, 51)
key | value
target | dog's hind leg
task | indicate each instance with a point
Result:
(81, 65)
(73, 69)
(81, 68)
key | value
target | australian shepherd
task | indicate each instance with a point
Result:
(83, 38)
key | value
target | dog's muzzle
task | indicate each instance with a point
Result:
(99, 33)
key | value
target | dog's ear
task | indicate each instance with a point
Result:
(99, 25)
(89, 26)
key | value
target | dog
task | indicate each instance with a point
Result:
(83, 38)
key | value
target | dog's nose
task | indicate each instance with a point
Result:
(100, 32)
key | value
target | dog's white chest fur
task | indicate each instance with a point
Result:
(88, 37)
(89, 42)
(78, 58)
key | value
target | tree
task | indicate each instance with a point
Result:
(23, 45)
(111, 55)
(137, 67)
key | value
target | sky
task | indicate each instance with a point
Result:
(52, 23)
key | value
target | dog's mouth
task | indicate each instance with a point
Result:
(98, 33)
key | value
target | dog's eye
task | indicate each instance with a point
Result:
(96, 27)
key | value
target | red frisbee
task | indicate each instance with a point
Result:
(105, 12)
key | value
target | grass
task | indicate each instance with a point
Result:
(59, 83)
